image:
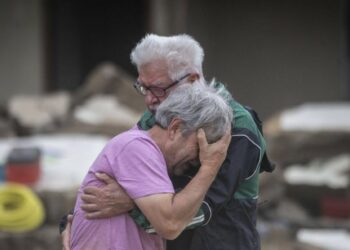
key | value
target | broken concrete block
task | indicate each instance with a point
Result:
(108, 78)
(311, 183)
(309, 131)
(106, 110)
(39, 113)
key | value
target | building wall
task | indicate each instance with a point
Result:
(274, 54)
(21, 48)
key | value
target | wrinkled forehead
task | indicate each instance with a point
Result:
(153, 73)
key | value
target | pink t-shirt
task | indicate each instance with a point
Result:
(138, 165)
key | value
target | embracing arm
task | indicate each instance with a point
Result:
(112, 200)
(108, 201)
(65, 228)
(241, 161)
(170, 213)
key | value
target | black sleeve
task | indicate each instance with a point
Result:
(63, 222)
(241, 162)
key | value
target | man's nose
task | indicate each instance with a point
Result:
(150, 97)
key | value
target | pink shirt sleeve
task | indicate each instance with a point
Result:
(141, 170)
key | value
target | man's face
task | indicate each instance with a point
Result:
(154, 74)
(185, 151)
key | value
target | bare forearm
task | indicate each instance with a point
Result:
(170, 213)
(186, 203)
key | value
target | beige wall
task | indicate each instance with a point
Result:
(21, 47)
(273, 54)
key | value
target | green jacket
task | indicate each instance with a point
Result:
(227, 217)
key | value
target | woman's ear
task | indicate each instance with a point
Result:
(174, 128)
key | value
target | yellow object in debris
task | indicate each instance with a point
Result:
(20, 209)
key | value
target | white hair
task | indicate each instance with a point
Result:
(181, 53)
(197, 106)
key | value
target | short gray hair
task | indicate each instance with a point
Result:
(181, 53)
(198, 106)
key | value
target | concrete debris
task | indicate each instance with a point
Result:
(39, 113)
(312, 156)
(333, 173)
(106, 103)
(328, 239)
(308, 132)
(277, 236)
(315, 185)
(317, 117)
(106, 110)
(311, 146)
(108, 78)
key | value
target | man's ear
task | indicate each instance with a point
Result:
(193, 77)
(174, 128)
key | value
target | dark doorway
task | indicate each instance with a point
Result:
(83, 33)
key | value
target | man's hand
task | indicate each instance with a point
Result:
(105, 202)
(213, 155)
(66, 233)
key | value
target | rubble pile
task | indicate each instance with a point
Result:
(38, 114)
(70, 129)
(106, 103)
(307, 195)
(311, 146)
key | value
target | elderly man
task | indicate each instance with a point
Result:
(141, 160)
(227, 216)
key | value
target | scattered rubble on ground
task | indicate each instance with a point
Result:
(37, 114)
(105, 100)
(70, 129)
(311, 146)
(307, 132)
(309, 190)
